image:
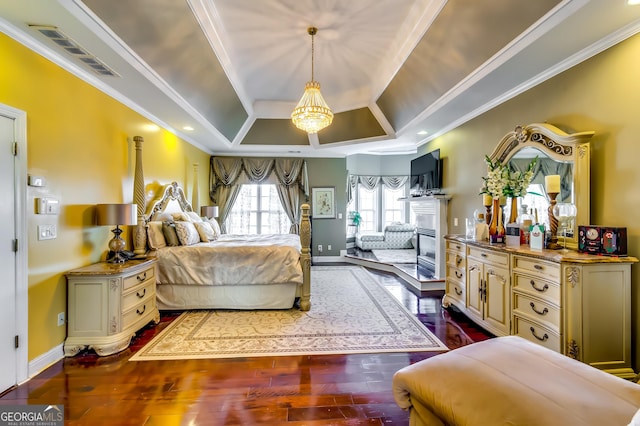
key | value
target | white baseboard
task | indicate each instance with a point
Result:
(327, 259)
(47, 359)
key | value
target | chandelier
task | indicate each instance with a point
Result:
(312, 113)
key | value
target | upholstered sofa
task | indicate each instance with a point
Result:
(511, 381)
(395, 236)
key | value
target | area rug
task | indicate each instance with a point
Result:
(396, 255)
(351, 312)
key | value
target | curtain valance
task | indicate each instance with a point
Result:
(371, 182)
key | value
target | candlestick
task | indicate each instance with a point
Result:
(553, 222)
(552, 184)
(486, 200)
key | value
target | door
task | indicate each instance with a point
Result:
(475, 301)
(497, 298)
(8, 330)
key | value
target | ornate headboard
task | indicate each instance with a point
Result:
(170, 200)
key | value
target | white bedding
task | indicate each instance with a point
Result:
(233, 260)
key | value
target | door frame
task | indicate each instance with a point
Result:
(21, 214)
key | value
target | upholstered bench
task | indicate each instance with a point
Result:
(509, 380)
(395, 236)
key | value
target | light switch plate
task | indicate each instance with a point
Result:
(47, 232)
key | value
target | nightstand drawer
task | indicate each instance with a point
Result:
(537, 310)
(130, 317)
(136, 296)
(140, 277)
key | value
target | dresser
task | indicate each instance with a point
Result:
(108, 303)
(573, 303)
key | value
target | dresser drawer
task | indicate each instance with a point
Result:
(536, 333)
(138, 294)
(455, 246)
(135, 279)
(455, 258)
(494, 257)
(537, 267)
(455, 290)
(145, 308)
(544, 289)
(456, 274)
(538, 310)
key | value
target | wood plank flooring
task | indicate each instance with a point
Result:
(292, 390)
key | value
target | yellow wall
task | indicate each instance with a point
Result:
(80, 140)
(601, 94)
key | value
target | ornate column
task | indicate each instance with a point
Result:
(140, 234)
(305, 258)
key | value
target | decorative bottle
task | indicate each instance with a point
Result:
(496, 228)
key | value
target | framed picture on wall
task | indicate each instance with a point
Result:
(323, 203)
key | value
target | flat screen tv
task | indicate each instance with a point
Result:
(426, 174)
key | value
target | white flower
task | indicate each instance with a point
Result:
(502, 181)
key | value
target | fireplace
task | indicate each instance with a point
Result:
(431, 227)
(426, 248)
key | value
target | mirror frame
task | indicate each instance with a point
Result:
(560, 146)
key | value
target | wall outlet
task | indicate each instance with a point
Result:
(329, 247)
(60, 319)
(47, 232)
(320, 248)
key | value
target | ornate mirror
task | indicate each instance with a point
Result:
(558, 153)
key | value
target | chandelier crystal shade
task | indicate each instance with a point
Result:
(312, 113)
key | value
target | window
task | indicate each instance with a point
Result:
(258, 210)
(392, 209)
(368, 208)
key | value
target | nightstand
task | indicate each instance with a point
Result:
(108, 303)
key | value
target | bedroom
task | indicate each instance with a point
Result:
(81, 148)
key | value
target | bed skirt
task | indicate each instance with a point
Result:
(184, 297)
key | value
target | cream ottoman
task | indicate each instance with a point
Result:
(511, 381)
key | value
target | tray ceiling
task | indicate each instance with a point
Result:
(233, 70)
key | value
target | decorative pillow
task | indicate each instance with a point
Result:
(161, 217)
(187, 233)
(214, 224)
(206, 232)
(170, 235)
(155, 235)
(193, 217)
(180, 217)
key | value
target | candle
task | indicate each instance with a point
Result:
(486, 200)
(503, 200)
(552, 184)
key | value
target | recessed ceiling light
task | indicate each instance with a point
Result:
(187, 128)
(423, 132)
(633, 2)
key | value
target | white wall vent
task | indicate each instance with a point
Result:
(74, 49)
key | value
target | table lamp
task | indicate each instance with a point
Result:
(209, 211)
(116, 214)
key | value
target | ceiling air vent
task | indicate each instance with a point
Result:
(72, 48)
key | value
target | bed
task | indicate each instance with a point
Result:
(231, 272)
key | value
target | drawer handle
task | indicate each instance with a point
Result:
(458, 260)
(539, 267)
(144, 291)
(140, 312)
(143, 277)
(483, 254)
(458, 292)
(458, 247)
(545, 311)
(458, 274)
(541, 290)
(542, 339)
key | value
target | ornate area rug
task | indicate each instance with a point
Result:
(396, 255)
(351, 312)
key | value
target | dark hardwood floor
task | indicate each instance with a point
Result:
(292, 390)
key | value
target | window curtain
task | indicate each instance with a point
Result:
(372, 182)
(548, 166)
(288, 174)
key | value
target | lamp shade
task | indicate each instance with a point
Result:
(116, 214)
(209, 211)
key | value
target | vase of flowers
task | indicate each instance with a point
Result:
(502, 181)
